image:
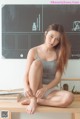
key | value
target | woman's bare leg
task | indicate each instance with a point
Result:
(57, 99)
(35, 79)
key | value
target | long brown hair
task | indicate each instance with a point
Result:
(62, 48)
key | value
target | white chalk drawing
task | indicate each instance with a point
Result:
(36, 24)
(76, 26)
(76, 55)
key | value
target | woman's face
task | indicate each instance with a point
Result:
(52, 38)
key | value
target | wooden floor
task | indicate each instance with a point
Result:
(13, 106)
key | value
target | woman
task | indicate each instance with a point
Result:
(45, 65)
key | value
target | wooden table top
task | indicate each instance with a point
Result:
(15, 106)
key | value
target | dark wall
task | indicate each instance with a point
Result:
(23, 27)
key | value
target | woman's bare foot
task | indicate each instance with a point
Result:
(32, 106)
(25, 101)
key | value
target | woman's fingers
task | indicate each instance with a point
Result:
(28, 93)
(39, 94)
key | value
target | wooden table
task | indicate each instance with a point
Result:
(7, 107)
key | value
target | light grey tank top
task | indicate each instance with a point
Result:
(49, 70)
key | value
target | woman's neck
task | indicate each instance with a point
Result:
(47, 49)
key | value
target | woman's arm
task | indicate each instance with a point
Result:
(55, 81)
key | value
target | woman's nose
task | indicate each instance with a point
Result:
(53, 40)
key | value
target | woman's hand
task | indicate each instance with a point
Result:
(40, 93)
(28, 92)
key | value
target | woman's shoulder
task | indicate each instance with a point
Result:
(36, 48)
(33, 51)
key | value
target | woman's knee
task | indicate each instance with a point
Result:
(37, 64)
(68, 99)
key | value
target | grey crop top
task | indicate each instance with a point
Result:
(49, 70)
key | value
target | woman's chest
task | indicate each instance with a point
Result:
(47, 56)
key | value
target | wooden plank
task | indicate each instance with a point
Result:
(11, 97)
(77, 97)
(15, 91)
(76, 116)
(73, 116)
(17, 107)
(73, 79)
(15, 94)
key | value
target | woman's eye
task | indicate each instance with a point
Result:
(58, 39)
(51, 36)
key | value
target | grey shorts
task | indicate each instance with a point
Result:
(50, 91)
